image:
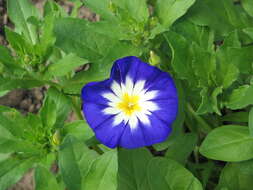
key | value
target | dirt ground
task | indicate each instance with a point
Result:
(31, 100)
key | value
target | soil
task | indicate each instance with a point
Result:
(24, 100)
(31, 100)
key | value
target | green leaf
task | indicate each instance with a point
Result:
(186, 143)
(48, 160)
(44, 179)
(201, 35)
(249, 31)
(48, 113)
(166, 174)
(227, 71)
(138, 10)
(12, 170)
(240, 97)
(236, 56)
(5, 56)
(203, 71)
(102, 173)
(231, 40)
(9, 64)
(222, 16)
(18, 42)
(227, 74)
(47, 38)
(12, 121)
(113, 30)
(74, 36)
(181, 56)
(133, 168)
(103, 8)
(209, 103)
(100, 69)
(248, 6)
(54, 8)
(62, 105)
(19, 12)
(236, 176)
(79, 129)
(8, 143)
(168, 11)
(13, 128)
(251, 122)
(15, 83)
(3, 93)
(236, 117)
(65, 65)
(230, 143)
(4, 157)
(74, 162)
(243, 55)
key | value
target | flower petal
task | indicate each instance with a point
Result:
(93, 91)
(109, 134)
(127, 66)
(167, 110)
(145, 135)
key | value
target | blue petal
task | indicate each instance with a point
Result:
(108, 134)
(94, 103)
(125, 66)
(137, 70)
(92, 92)
(145, 135)
(94, 114)
(167, 110)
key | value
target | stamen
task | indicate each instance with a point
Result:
(129, 104)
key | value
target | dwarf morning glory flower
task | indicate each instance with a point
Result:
(135, 107)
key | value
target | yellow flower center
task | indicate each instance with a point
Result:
(129, 104)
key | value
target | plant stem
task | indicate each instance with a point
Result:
(76, 108)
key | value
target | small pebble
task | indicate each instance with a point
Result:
(38, 106)
(25, 104)
(31, 108)
(37, 94)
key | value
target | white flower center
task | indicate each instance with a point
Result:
(130, 102)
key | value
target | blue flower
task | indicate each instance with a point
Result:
(135, 107)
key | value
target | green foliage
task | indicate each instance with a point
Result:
(12, 169)
(240, 97)
(132, 172)
(206, 45)
(186, 143)
(74, 162)
(168, 11)
(58, 105)
(168, 174)
(44, 179)
(248, 6)
(228, 143)
(236, 176)
(102, 173)
(65, 65)
(19, 12)
(251, 122)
